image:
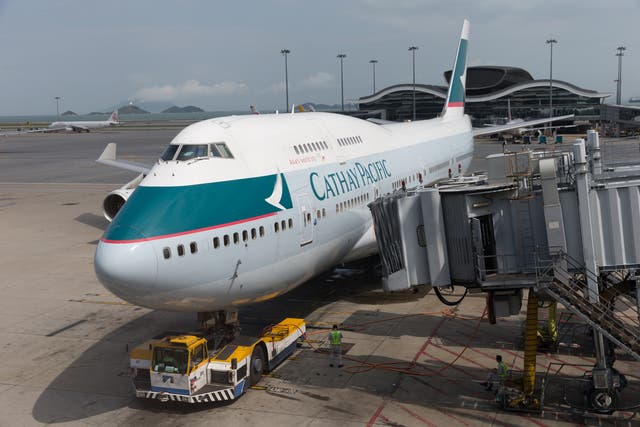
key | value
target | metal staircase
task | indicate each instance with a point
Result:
(616, 317)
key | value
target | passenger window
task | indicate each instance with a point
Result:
(236, 238)
(290, 223)
(253, 234)
(318, 214)
(180, 250)
(296, 149)
(261, 231)
(166, 252)
(309, 217)
(245, 235)
(226, 240)
(324, 213)
(193, 246)
(276, 227)
(216, 242)
(283, 225)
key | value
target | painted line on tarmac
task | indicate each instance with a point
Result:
(378, 412)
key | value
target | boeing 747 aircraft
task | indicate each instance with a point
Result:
(241, 209)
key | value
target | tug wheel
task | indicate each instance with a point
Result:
(257, 365)
(603, 400)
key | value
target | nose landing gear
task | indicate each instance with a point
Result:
(220, 327)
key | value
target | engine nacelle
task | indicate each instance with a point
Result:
(117, 198)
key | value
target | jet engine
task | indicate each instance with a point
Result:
(117, 198)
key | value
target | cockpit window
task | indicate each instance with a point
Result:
(169, 152)
(220, 149)
(188, 152)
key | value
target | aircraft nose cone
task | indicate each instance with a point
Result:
(129, 270)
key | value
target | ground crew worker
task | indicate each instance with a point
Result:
(496, 375)
(335, 341)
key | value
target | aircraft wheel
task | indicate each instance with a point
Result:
(257, 365)
(603, 400)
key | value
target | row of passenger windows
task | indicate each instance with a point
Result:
(350, 140)
(352, 203)
(236, 238)
(310, 147)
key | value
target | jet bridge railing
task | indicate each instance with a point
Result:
(565, 280)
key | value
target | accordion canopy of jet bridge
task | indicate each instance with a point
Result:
(494, 231)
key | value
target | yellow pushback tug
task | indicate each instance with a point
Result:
(179, 368)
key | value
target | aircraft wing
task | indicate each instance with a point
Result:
(108, 158)
(501, 128)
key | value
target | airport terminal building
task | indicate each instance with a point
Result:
(491, 92)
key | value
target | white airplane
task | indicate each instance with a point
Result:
(82, 126)
(241, 209)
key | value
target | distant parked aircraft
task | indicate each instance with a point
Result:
(82, 126)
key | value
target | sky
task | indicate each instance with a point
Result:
(225, 55)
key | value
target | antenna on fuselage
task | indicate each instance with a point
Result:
(293, 108)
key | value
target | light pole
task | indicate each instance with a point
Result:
(374, 62)
(413, 55)
(285, 52)
(341, 56)
(619, 54)
(551, 42)
(57, 98)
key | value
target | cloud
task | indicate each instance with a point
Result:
(318, 80)
(274, 88)
(190, 88)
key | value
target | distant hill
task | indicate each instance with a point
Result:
(131, 109)
(187, 109)
(69, 113)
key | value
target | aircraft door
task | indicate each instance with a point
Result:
(307, 219)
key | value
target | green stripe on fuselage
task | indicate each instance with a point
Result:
(160, 211)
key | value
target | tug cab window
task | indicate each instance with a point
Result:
(189, 151)
(169, 359)
(169, 152)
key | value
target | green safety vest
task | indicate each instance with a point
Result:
(335, 337)
(502, 370)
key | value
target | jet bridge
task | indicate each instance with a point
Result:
(561, 224)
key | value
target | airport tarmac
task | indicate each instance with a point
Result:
(410, 360)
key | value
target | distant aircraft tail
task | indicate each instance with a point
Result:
(454, 105)
(114, 116)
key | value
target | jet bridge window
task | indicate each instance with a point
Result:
(169, 152)
(191, 151)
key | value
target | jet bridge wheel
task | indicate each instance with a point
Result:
(603, 400)
(257, 365)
